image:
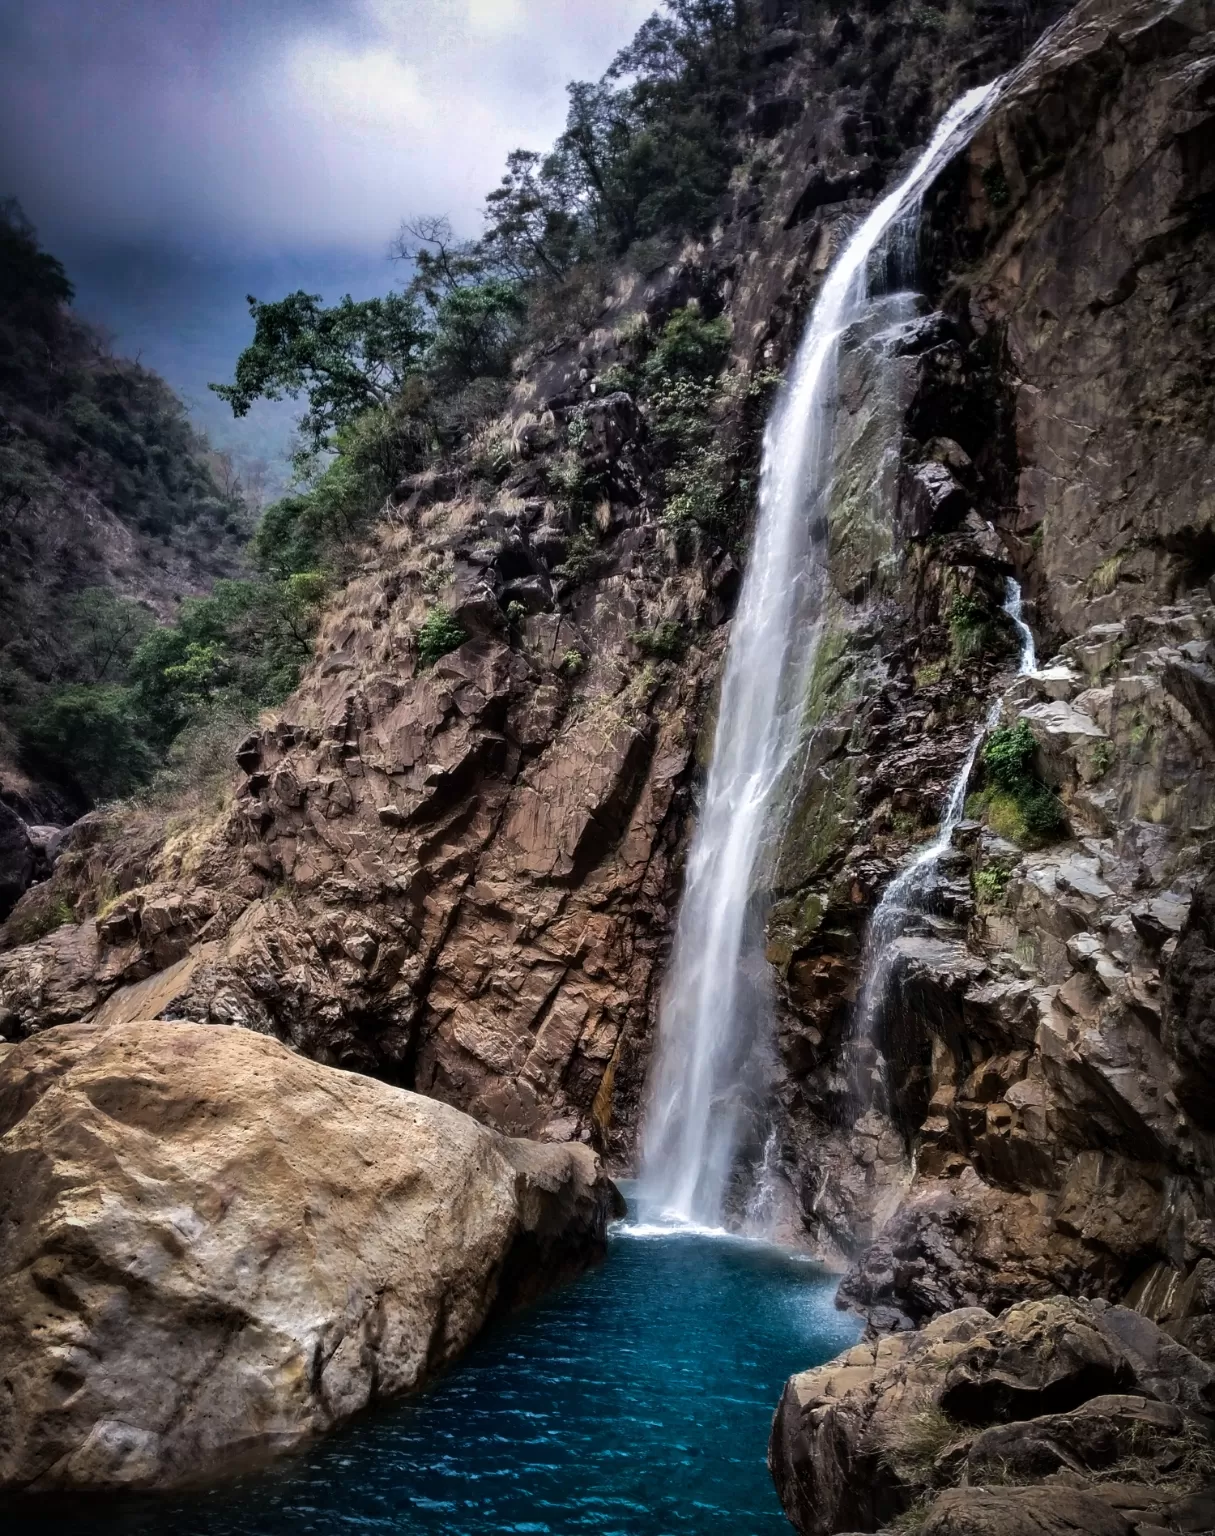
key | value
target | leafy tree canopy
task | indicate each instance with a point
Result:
(348, 358)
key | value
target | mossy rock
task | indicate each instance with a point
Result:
(819, 827)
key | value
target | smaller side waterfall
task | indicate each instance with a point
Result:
(1013, 605)
(910, 892)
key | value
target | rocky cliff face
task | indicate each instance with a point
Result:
(462, 876)
(1041, 1030)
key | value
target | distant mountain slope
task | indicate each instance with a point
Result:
(112, 506)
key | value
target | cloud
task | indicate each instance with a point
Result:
(286, 123)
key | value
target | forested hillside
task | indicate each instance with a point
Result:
(129, 607)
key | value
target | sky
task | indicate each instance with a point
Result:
(177, 155)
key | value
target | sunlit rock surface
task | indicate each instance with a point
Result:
(212, 1249)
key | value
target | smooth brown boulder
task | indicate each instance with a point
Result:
(212, 1249)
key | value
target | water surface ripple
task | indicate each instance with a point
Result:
(636, 1402)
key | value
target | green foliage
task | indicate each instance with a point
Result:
(91, 737)
(646, 150)
(1102, 758)
(1018, 804)
(666, 642)
(703, 496)
(618, 377)
(476, 326)
(990, 884)
(515, 613)
(689, 347)
(69, 412)
(970, 627)
(1008, 756)
(322, 523)
(572, 663)
(680, 391)
(29, 276)
(81, 430)
(241, 649)
(995, 184)
(437, 634)
(348, 358)
(582, 557)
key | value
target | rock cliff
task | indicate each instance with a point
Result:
(460, 875)
(214, 1249)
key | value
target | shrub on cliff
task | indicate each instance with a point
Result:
(1014, 801)
(438, 633)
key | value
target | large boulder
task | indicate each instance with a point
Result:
(212, 1249)
(1094, 1394)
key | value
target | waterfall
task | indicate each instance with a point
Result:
(1013, 605)
(710, 1084)
(910, 891)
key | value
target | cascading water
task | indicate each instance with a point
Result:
(1013, 606)
(711, 1078)
(910, 891)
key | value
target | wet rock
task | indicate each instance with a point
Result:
(227, 1249)
(931, 500)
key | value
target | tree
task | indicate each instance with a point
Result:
(474, 299)
(92, 738)
(101, 635)
(30, 278)
(441, 263)
(475, 327)
(348, 358)
(532, 217)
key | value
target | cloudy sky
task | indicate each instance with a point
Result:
(178, 154)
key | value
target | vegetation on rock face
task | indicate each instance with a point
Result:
(971, 627)
(665, 642)
(1015, 802)
(393, 383)
(438, 634)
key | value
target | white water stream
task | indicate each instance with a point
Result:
(910, 890)
(710, 1084)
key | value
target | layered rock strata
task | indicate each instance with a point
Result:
(212, 1249)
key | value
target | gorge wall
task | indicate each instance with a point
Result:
(461, 876)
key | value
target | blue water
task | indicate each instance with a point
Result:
(635, 1402)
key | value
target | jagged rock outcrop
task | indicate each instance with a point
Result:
(1042, 1128)
(1058, 1416)
(214, 1249)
